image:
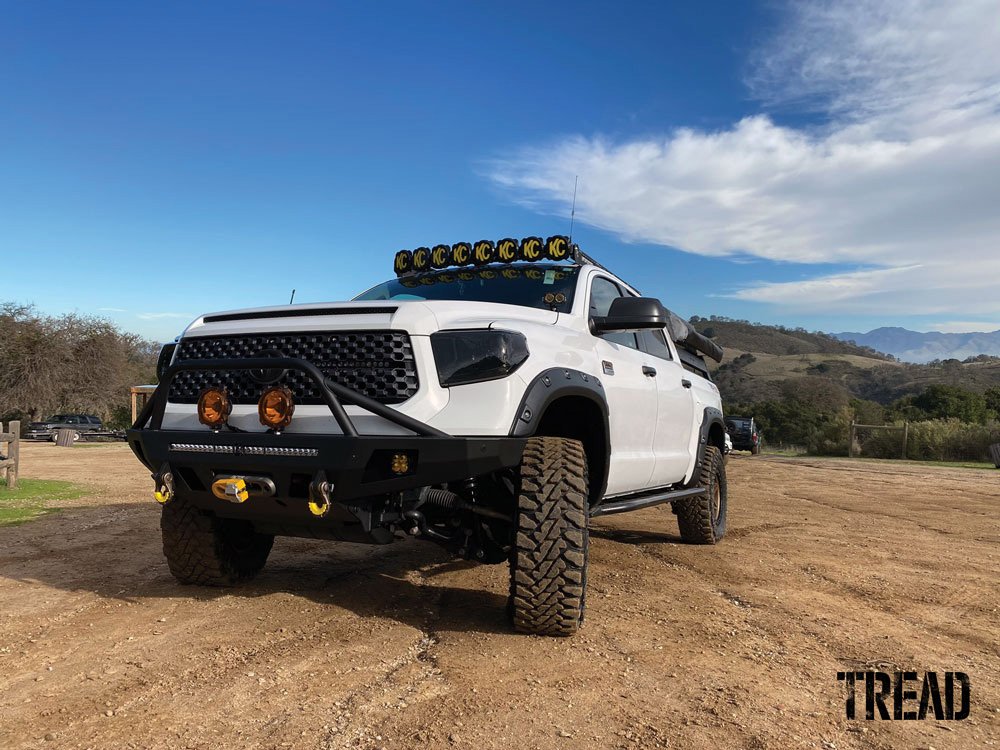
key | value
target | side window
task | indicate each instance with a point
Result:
(654, 342)
(602, 293)
(72, 420)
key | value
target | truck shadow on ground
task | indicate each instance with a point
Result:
(634, 536)
(114, 552)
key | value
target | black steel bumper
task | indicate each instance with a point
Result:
(356, 466)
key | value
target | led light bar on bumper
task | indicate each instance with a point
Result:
(477, 355)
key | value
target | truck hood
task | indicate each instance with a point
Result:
(419, 318)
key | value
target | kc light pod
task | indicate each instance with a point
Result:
(421, 259)
(507, 250)
(557, 247)
(403, 262)
(440, 256)
(276, 407)
(461, 253)
(531, 248)
(484, 252)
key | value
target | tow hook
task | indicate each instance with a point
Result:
(319, 495)
(163, 485)
(239, 489)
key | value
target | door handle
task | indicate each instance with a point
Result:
(685, 382)
(649, 371)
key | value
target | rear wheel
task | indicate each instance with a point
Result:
(702, 519)
(203, 549)
(548, 566)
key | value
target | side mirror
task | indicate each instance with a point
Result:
(631, 314)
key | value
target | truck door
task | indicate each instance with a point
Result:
(631, 395)
(674, 411)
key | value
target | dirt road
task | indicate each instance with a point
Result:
(827, 566)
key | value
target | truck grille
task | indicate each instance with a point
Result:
(378, 364)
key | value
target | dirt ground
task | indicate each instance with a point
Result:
(828, 565)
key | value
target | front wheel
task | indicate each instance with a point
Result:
(548, 564)
(702, 519)
(203, 549)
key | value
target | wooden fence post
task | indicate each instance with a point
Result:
(8, 467)
(850, 442)
(906, 437)
(14, 451)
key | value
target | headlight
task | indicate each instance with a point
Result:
(474, 356)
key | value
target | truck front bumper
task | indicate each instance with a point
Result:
(354, 467)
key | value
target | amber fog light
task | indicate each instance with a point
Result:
(276, 407)
(214, 407)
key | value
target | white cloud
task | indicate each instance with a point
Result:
(112, 309)
(163, 315)
(901, 180)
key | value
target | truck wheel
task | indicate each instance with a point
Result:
(210, 551)
(548, 565)
(702, 519)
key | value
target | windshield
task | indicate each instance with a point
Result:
(547, 287)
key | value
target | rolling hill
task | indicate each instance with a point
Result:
(764, 363)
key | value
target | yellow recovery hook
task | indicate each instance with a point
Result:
(163, 485)
(319, 495)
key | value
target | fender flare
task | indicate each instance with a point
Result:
(551, 385)
(711, 417)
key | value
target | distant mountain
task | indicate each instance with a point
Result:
(913, 346)
(765, 363)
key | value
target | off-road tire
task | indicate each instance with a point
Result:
(548, 565)
(209, 551)
(702, 519)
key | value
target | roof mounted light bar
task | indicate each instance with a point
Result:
(506, 250)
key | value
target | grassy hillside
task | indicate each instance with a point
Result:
(744, 336)
(772, 363)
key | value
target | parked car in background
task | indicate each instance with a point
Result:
(745, 434)
(79, 423)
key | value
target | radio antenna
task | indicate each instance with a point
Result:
(292, 298)
(572, 213)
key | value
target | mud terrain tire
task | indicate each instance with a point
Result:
(209, 551)
(548, 566)
(702, 520)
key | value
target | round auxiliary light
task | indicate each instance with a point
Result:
(403, 262)
(531, 248)
(276, 407)
(421, 259)
(484, 252)
(461, 253)
(440, 256)
(507, 250)
(557, 247)
(214, 407)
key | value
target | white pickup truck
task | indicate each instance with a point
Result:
(492, 398)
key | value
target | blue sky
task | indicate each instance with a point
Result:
(160, 161)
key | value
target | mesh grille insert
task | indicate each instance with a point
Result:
(378, 364)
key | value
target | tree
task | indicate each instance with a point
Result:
(67, 363)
